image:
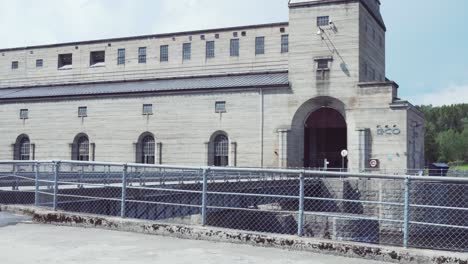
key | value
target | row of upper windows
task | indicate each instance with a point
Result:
(147, 109)
(97, 58)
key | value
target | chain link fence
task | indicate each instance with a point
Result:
(401, 210)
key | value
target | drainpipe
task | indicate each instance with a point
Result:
(262, 123)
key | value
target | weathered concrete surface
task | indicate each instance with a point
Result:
(363, 251)
(51, 244)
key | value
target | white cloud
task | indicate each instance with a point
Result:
(455, 94)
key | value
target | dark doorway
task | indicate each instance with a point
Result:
(325, 136)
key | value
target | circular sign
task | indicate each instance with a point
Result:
(344, 153)
(374, 163)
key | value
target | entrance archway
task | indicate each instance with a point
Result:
(325, 136)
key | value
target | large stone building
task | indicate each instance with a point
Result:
(275, 95)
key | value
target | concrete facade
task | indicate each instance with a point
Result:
(265, 125)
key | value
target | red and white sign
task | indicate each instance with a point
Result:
(374, 163)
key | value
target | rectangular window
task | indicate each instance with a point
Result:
(284, 43)
(187, 51)
(142, 55)
(164, 53)
(220, 107)
(14, 65)
(147, 109)
(234, 48)
(39, 63)
(82, 111)
(210, 49)
(323, 70)
(65, 61)
(323, 21)
(120, 56)
(97, 58)
(259, 45)
(24, 114)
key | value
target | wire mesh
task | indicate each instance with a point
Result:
(420, 212)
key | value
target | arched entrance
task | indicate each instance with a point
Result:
(325, 136)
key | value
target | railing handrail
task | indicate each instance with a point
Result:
(306, 172)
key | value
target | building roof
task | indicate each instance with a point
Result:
(239, 81)
(152, 36)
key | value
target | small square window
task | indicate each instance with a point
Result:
(322, 64)
(14, 65)
(323, 21)
(216, 36)
(244, 33)
(97, 58)
(120, 56)
(142, 55)
(147, 109)
(24, 114)
(282, 30)
(259, 45)
(235, 34)
(82, 111)
(39, 63)
(220, 107)
(65, 61)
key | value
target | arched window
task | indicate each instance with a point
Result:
(148, 150)
(80, 148)
(83, 148)
(22, 148)
(221, 150)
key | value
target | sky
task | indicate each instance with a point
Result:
(427, 40)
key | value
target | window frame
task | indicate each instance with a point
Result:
(121, 56)
(141, 55)
(163, 53)
(186, 51)
(148, 150)
(82, 111)
(259, 45)
(322, 69)
(14, 65)
(210, 49)
(145, 108)
(221, 150)
(323, 21)
(24, 149)
(234, 47)
(24, 114)
(39, 63)
(65, 61)
(97, 58)
(220, 109)
(285, 43)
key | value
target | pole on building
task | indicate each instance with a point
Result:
(124, 191)
(406, 213)
(56, 176)
(300, 222)
(204, 195)
(36, 184)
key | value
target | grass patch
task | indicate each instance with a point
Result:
(462, 167)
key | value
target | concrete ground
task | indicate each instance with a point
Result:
(23, 242)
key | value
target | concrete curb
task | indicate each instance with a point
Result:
(347, 249)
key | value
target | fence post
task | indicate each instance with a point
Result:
(300, 221)
(56, 176)
(36, 184)
(124, 191)
(204, 195)
(406, 213)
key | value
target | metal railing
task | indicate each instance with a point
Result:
(401, 210)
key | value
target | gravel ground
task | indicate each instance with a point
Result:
(34, 243)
